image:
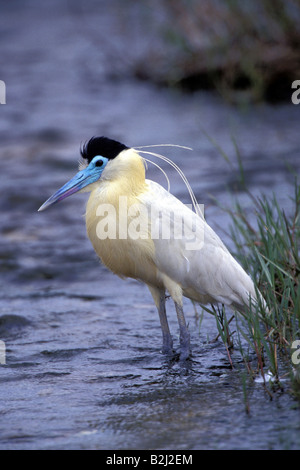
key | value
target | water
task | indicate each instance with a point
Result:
(83, 364)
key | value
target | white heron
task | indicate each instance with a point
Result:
(133, 243)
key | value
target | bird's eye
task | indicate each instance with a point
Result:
(99, 163)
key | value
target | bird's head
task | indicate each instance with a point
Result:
(97, 155)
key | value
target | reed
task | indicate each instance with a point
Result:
(267, 246)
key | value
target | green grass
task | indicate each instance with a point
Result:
(268, 248)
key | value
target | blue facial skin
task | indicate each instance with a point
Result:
(83, 178)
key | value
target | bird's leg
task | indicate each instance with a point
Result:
(184, 334)
(167, 347)
(159, 297)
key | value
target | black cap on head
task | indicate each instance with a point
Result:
(104, 146)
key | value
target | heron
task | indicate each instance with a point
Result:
(192, 263)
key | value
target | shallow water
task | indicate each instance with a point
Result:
(83, 363)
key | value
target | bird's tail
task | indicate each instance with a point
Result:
(252, 302)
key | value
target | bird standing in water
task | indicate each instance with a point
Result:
(140, 230)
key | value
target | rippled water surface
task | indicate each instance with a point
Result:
(83, 363)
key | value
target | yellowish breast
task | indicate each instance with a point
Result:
(117, 226)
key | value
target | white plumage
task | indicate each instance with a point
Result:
(167, 245)
(207, 275)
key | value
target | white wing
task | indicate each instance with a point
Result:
(189, 252)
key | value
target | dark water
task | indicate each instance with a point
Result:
(83, 363)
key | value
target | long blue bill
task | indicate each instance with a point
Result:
(78, 182)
